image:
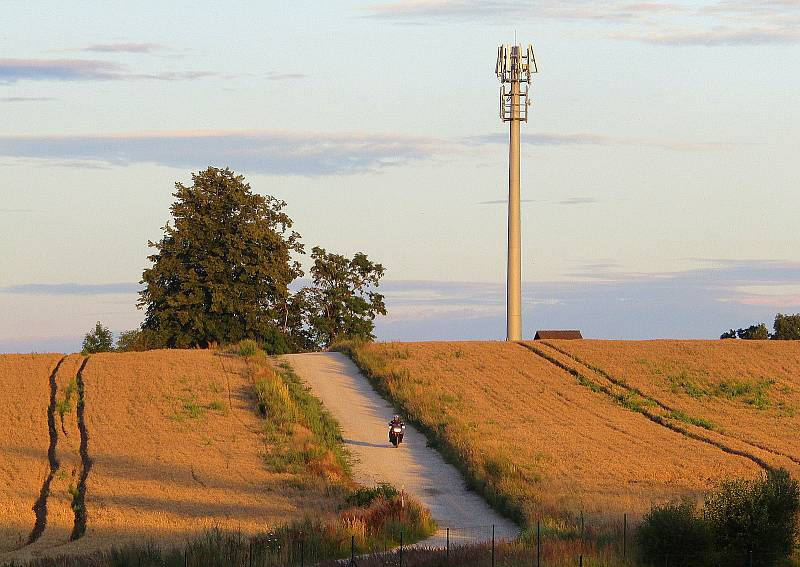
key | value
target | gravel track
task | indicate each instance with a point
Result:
(421, 471)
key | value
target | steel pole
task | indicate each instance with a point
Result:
(514, 287)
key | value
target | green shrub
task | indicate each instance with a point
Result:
(672, 534)
(758, 516)
(364, 496)
(248, 347)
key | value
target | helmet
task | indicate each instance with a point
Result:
(395, 417)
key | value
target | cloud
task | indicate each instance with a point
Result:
(587, 139)
(285, 76)
(25, 98)
(124, 47)
(720, 36)
(501, 11)
(604, 303)
(567, 201)
(704, 23)
(18, 211)
(72, 289)
(269, 152)
(14, 70)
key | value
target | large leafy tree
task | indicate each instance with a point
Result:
(343, 302)
(787, 327)
(221, 272)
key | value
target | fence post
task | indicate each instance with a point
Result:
(352, 550)
(624, 536)
(448, 544)
(186, 556)
(538, 543)
(750, 553)
(492, 545)
(302, 553)
(401, 548)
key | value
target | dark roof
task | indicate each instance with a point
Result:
(558, 335)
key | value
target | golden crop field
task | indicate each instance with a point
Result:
(745, 393)
(24, 382)
(166, 445)
(545, 440)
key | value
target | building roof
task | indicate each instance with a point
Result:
(574, 334)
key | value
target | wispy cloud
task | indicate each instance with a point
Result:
(123, 47)
(15, 70)
(285, 76)
(283, 153)
(11, 211)
(505, 10)
(11, 99)
(603, 302)
(72, 289)
(589, 139)
(279, 153)
(567, 201)
(703, 23)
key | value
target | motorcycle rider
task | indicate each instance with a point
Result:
(396, 422)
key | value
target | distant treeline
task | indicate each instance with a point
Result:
(786, 328)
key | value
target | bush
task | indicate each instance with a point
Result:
(364, 496)
(757, 516)
(139, 340)
(248, 347)
(673, 534)
(98, 340)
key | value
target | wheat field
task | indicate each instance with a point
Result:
(24, 382)
(542, 440)
(746, 392)
(175, 447)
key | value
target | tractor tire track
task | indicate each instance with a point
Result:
(655, 418)
(40, 506)
(622, 384)
(79, 500)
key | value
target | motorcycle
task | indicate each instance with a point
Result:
(396, 432)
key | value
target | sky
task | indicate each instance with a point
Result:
(660, 168)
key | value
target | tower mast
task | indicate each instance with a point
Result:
(514, 68)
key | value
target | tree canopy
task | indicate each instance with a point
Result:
(99, 339)
(787, 327)
(343, 303)
(221, 271)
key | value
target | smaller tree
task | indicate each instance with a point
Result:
(672, 534)
(731, 334)
(98, 340)
(754, 333)
(343, 303)
(754, 520)
(787, 327)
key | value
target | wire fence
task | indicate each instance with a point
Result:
(568, 545)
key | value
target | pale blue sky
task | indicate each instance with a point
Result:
(660, 166)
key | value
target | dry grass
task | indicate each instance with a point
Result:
(25, 440)
(535, 439)
(748, 392)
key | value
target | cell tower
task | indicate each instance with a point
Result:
(514, 68)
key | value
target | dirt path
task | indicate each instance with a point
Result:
(420, 470)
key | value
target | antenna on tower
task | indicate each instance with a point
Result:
(514, 68)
